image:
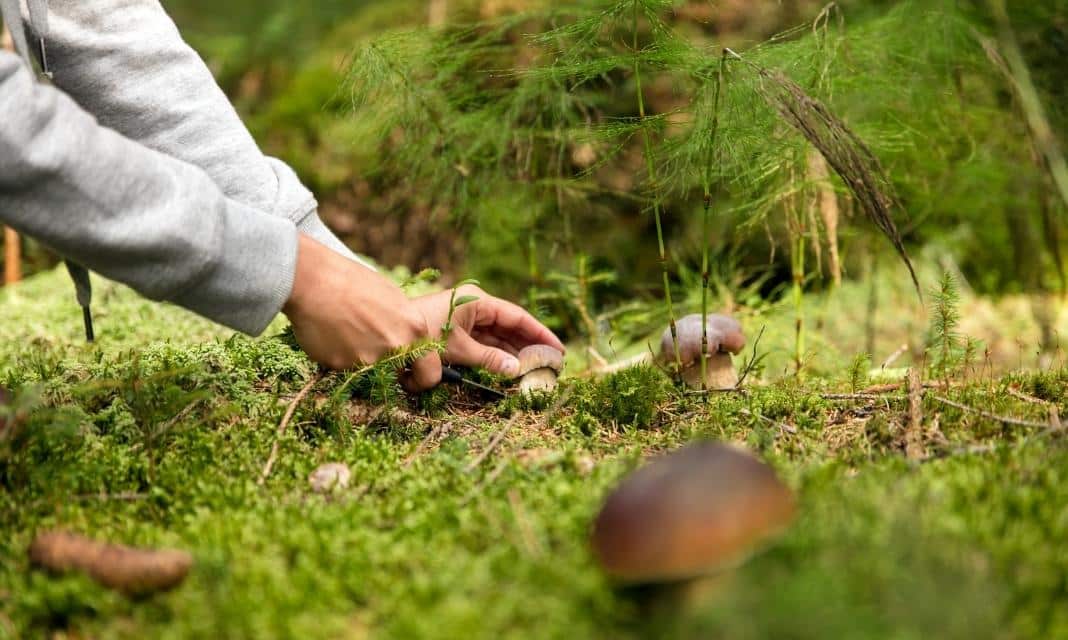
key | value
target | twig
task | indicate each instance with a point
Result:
(892, 358)
(993, 416)
(705, 392)
(896, 386)
(913, 433)
(858, 396)
(423, 445)
(752, 362)
(125, 496)
(497, 437)
(290, 410)
(176, 418)
(530, 540)
(781, 425)
(1016, 393)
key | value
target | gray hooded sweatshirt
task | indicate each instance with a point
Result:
(135, 165)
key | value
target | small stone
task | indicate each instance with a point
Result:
(330, 476)
(585, 464)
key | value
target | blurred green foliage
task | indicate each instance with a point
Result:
(485, 123)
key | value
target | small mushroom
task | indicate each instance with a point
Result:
(127, 569)
(329, 476)
(690, 514)
(539, 366)
(724, 338)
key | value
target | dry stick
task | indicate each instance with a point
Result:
(1026, 397)
(992, 416)
(422, 446)
(858, 396)
(892, 358)
(290, 410)
(895, 386)
(782, 426)
(125, 496)
(437, 13)
(497, 438)
(1054, 413)
(913, 433)
(827, 203)
(530, 540)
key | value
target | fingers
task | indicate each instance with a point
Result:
(425, 374)
(512, 323)
(491, 340)
(465, 350)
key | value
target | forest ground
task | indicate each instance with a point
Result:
(467, 519)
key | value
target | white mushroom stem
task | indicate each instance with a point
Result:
(543, 379)
(719, 373)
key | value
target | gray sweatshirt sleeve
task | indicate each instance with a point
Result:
(133, 214)
(125, 62)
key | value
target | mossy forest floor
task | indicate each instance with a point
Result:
(953, 527)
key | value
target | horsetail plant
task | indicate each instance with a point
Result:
(654, 187)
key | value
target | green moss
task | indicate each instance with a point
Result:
(967, 543)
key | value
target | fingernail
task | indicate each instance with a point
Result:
(509, 366)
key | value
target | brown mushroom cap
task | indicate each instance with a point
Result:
(724, 335)
(540, 356)
(690, 513)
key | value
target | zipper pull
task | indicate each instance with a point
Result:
(43, 57)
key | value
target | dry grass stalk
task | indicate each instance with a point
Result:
(826, 203)
(437, 13)
(846, 153)
(914, 449)
(290, 410)
(127, 569)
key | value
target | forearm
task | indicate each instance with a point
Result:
(126, 63)
(134, 214)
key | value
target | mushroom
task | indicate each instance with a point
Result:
(539, 366)
(724, 338)
(126, 569)
(329, 476)
(690, 514)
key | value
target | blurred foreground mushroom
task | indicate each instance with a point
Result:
(692, 513)
(539, 366)
(329, 476)
(127, 569)
(725, 337)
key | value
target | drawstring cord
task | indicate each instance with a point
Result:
(12, 14)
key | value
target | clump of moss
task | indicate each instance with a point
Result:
(628, 398)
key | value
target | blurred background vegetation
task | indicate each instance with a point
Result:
(501, 140)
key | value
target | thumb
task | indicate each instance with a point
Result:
(465, 350)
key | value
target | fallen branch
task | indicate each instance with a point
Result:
(914, 430)
(290, 410)
(992, 416)
(424, 444)
(897, 386)
(497, 438)
(859, 396)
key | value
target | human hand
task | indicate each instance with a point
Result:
(344, 314)
(487, 332)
